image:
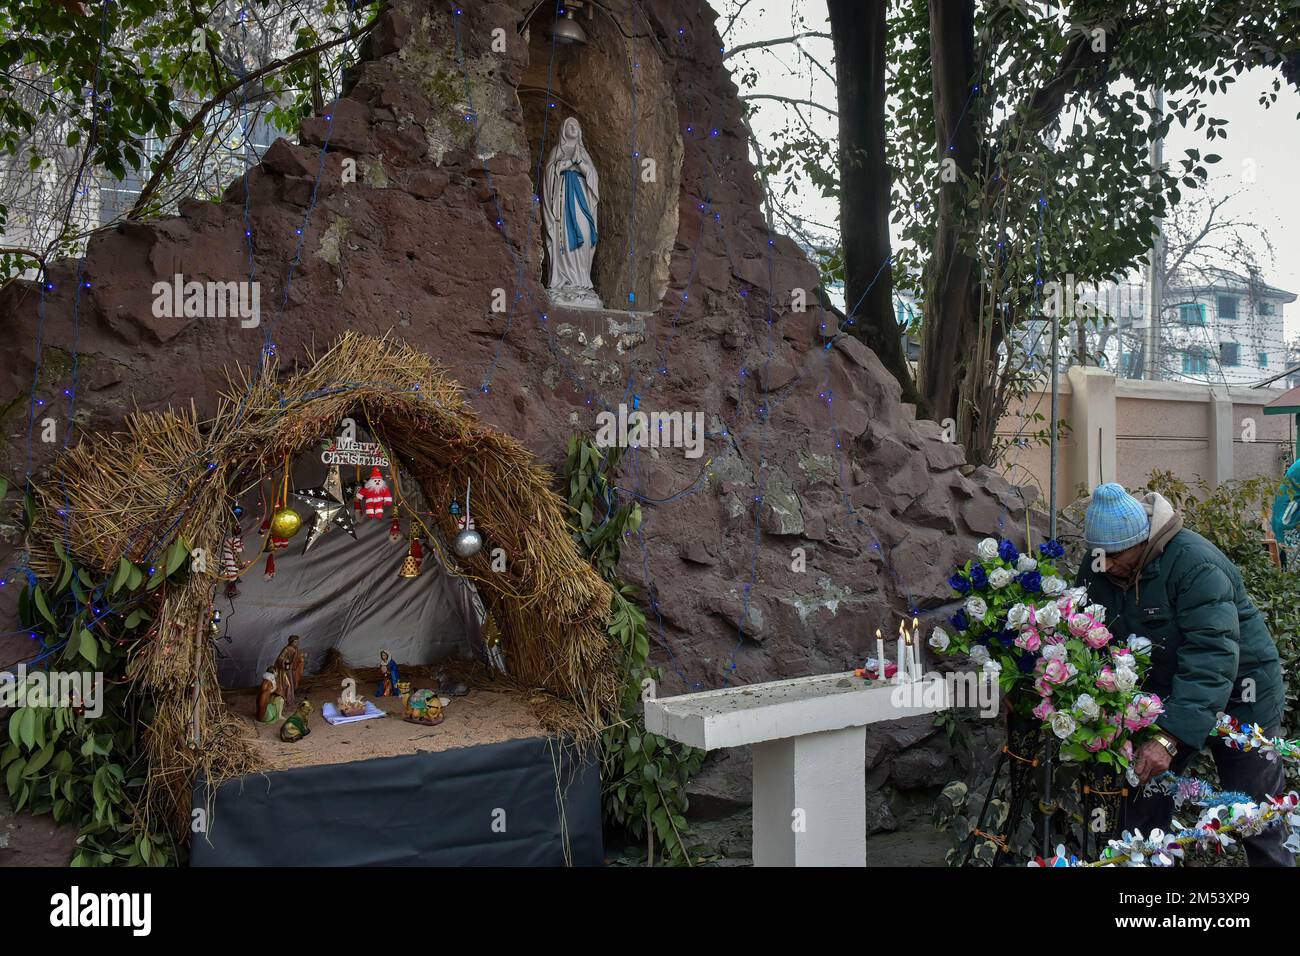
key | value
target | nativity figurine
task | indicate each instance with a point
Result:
(423, 707)
(270, 705)
(349, 704)
(388, 676)
(295, 728)
(288, 669)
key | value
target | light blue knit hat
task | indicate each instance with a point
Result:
(1115, 520)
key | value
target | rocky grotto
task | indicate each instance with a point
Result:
(820, 509)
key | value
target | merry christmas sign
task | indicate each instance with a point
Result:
(341, 451)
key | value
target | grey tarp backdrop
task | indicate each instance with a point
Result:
(529, 802)
(342, 594)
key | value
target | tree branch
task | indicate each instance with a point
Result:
(183, 134)
(789, 101)
(777, 41)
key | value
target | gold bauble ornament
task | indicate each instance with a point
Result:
(285, 523)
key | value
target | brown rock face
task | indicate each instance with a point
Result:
(819, 508)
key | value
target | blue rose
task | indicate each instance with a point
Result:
(1007, 551)
(960, 621)
(959, 583)
(1026, 662)
(1051, 549)
(979, 577)
(1006, 638)
(1031, 581)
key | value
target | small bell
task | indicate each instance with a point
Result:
(455, 508)
(410, 568)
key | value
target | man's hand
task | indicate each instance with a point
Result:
(1152, 760)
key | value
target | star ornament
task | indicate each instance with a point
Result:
(328, 506)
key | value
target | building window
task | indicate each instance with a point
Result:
(1196, 362)
(1227, 305)
(1263, 359)
(1228, 354)
(1191, 313)
(1266, 308)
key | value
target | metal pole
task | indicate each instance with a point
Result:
(1156, 264)
(1056, 332)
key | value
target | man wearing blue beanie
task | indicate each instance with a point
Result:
(1211, 651)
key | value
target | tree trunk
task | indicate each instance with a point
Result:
(859, 33)
(951, 305)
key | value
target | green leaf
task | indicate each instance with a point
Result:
(176, 555)
(88, 647)
(39, 597)
(121, 576)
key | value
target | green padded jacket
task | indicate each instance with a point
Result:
(1211, 649)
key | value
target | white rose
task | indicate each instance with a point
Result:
(1123, 659)
(979, 654)
(1087, 707)
(1052, 652)
(992, 667)
(976, 608)
(1126, 679)
(1053, 586)
(1139, 645)
(1047, 616)
(1018, 616)
(1063, 724)
(1000, 577)
(1097, 612)
(988, 549)
(1026, 563)
(939, 639)
(1077, 595)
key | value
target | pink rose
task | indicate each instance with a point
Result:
(1106, 679)
(1028, 640)
(1142, 711)
(1127, 750)
(1044, 689)
(1093, 745)
(1056, 672)
(1097, 637)
(1044, 709)
(1080, 624)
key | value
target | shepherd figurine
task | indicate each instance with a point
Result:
(374, 494)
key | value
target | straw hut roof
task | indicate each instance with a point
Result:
(169, 476)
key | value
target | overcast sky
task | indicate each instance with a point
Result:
(1263, 142)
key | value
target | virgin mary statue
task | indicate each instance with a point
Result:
(569, 214)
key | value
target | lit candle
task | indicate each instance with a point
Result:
(880, 656)
(916, 646)
(902, 661)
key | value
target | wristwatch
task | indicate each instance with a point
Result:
(1167, 742)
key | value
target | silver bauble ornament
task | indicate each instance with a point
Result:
(468, 543)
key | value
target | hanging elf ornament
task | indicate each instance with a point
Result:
(468, 541)
(374, 495)
(414, 549)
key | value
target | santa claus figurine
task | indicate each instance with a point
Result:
(374, 494)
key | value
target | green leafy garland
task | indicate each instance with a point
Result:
(83, 769)
(643, 775)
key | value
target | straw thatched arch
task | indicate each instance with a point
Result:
(169, 476)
